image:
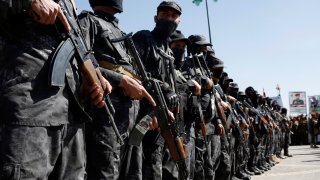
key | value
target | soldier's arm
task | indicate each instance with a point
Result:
(43, 11)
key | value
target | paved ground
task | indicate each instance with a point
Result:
(304, 165)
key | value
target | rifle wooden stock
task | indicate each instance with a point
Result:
(221, 113)
(92, 75)
(203, 128)
(176, 153)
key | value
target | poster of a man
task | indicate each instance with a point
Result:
(297, 100)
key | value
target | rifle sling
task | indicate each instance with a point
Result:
(118, 68)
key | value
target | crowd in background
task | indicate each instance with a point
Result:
(305, 129)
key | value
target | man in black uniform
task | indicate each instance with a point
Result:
(42, 126)
(207, 144)
(156, 55)
(188, 89)
(237, 132)
(107, 159)
(287, 139)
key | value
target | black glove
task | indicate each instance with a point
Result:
(172, 99)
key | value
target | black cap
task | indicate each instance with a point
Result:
(233, 85)
(284, 110)
(171, 4)
(227, 79)
(241, 93)
(214, 62)
(177, 36)
(117, 4)
(249, 90)
(224, 74)
(199, 40)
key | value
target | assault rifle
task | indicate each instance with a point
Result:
(261, 118)
(235, 121)
(167, 128)
(74, 46)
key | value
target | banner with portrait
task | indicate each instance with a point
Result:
(297, 102)
(314, 103)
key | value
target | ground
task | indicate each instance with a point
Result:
(304, 165)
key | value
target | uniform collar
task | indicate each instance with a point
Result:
(107, 16)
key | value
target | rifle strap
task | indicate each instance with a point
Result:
(118, 68)
(179, 74)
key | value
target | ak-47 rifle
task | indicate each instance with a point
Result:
(74, 46)
(205, 71)
(194, 100)
(256, 112)
(235, 121)
(167, 128)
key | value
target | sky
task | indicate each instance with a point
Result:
(262, 42)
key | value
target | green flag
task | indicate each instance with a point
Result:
(197, 2)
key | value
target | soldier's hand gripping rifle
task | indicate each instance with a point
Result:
(167, 128)
(74, 46)
(236, 122)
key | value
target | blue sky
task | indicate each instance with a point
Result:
(262, 42)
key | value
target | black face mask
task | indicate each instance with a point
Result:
(217, 73)
(178, 55)
(164, 28)
(253, 97)
(233, 92)
(240, 98)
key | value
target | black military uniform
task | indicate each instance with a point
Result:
(238, 123)
(156, 55)
(287, 138)
(42, 125)
(184, 123)
(107, 159)
(207, 145)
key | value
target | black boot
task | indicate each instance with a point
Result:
(242, 175)
(286, 153)
(251, 173)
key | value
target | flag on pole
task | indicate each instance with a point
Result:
(278, 88)
(197, 2)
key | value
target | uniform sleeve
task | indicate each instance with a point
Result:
(113, 77)
(13, 7)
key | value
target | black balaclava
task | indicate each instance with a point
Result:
(164, 28)
(216, 73)
(252, 96)
(261, 100)
(233, 92)
(241, 96)
(284, 111)
(178, 54)
(117, 4)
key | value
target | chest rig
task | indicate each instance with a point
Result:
(160, 62)
(108, 31)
